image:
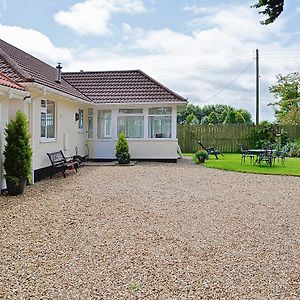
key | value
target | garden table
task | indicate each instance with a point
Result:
(266, 155)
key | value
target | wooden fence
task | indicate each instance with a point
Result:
(225, 137)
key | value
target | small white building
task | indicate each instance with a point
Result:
(86, 110)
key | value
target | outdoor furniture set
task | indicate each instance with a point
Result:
(262, 155)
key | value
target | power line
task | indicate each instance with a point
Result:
(204, 64)
(231, 82)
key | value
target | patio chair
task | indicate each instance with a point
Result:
(211, 150)
(267, 156)
(246, 153)
(280, 155)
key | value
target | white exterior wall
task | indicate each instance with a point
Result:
(144, 148)
(67, 134)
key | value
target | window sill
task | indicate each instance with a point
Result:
(81, 130)
(43, 141)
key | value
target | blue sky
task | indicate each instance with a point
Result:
(201, 49)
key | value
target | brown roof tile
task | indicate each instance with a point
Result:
(6, 81)
(21, 66)
(121, 87)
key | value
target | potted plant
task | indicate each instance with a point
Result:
(202, 155)
(122, 150)
(17, 154)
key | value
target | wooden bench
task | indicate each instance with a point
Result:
(61, 164)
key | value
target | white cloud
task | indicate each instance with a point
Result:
(35, 43)
(196, 65)
(92, 17)
(195, 9)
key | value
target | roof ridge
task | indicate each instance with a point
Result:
(23, 74)
(163, 86)
(109, 71)
(26, 53)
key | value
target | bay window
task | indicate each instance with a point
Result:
(104, 124)
(131, 122)
(160, 122)
(47, 119)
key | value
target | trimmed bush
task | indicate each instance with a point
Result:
(17, 152)
(122, 149)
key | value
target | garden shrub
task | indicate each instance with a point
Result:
(122, 149)
(268, 134)
(293, 148)
(17, 152)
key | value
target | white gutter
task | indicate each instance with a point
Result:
(12, 93)
(140, 103)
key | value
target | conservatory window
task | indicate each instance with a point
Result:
(90, 123)
(131, 122)
(160, 122)
(104, 124)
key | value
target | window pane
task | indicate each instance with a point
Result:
(80, 121)
(43, 103)
(104, 124)
(132, 126)
(160, 127)
(160, 111)
(43, 124)
(50, 120)
(131, 111)
(90, 123)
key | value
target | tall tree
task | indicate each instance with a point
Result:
(270, 8)
(287, 94)
(213, 118)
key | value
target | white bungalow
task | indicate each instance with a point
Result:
(86, 110)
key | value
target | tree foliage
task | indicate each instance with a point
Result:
(213, 114)
(287, 94)
(270, 8)
(17, 152)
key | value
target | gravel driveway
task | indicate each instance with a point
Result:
(152, 231)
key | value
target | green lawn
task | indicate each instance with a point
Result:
(232, 162)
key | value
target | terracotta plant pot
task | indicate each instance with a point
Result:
(201, 159)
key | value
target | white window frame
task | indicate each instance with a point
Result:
(81, 129)
(44, 110)
(105, 137)
(160, 115)
(132, 115)
(90, 109)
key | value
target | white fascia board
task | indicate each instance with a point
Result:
(44, 89)
(12, 93)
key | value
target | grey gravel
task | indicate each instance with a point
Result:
(152, 231)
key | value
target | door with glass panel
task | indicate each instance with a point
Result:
(103, 124)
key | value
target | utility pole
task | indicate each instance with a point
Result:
(257, 86)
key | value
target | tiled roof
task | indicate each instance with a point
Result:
(8, 71)
(121, 87)
(10, 83)
(21, 67)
